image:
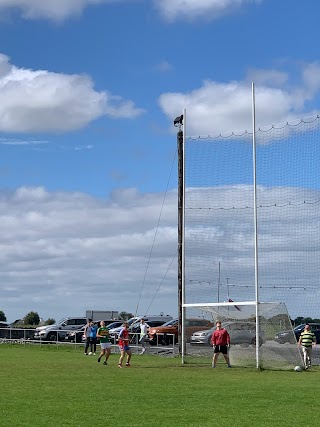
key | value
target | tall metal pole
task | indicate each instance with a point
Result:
(180, 148)
(183, 320)
(219, 279)
(256, 264)
(228, 293)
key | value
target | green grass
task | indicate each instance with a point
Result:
(52, 386)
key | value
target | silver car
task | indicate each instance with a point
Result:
(243, 333)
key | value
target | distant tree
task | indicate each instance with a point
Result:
(125, 316)
(298, 320)
(3, 316)
(32, 318)
(50, 321)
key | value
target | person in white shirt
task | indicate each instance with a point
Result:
(143, 335)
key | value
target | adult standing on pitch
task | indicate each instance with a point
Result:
(221, 342)
(143, 335)
(105, 344)
(93, 338)
(86, 335)
(124, 345)
(307, 338)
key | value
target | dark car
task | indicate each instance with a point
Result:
(4, 333)
(292, 336)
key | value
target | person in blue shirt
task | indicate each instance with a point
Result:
(93, 338)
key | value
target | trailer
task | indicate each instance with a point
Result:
(107, 316)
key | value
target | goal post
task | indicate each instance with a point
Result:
(239, 319)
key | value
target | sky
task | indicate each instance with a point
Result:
(89, 90)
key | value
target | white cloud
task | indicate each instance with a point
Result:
(55, 10)
(60, 10)
(218, 107)
(24, 142)
(193, 9)
(43, 101)
(62, 253)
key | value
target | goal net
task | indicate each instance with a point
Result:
(277, 346)
(219, 227)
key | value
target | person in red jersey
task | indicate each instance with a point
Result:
(221, 342)
(124, 345)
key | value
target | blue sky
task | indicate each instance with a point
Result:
(88, 91)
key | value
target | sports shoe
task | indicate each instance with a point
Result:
(94, 354)
(119, 366)
(213, 366)
(105, 363)
(86, 354)
(229, 366)
(99, 360)
(128, 364)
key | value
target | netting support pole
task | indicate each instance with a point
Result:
(256, 264)
(180, 122)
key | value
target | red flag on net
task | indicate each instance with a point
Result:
(236, 306)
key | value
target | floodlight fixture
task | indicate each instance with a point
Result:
(178, 121)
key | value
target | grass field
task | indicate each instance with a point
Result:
(52, 386)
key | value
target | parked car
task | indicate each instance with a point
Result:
(77, 335)
(243, 333)
(4, 329)
(58, 331)
(166, 333)
(291, 336)
(134, 323)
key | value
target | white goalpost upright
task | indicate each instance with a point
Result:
(256, 263)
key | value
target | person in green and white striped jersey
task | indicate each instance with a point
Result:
(306, 340)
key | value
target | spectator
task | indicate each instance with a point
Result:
(93, 338)
(86, 335)
(143, 335)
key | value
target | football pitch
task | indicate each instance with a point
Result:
(57, 386)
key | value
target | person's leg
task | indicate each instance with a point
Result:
(305, 360)
(87, 346)
(226, 358)
(215, 359)
(94, 345)
(128, 357)
(309, 351)
(108, 351)
(122, 353)
(143, 344)
(101, 354)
